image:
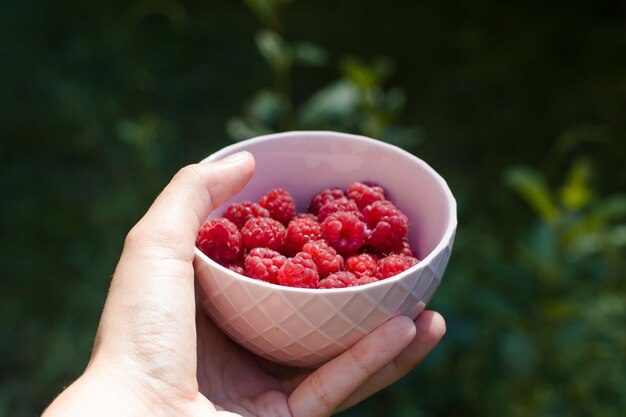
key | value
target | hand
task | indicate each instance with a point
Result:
(154, 354)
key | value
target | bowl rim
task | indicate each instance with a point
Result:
(447, 238)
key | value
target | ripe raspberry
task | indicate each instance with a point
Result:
(366, 279)
(364, 195)
(344, 231)
(323, 197)
(299, 232)
(324, 256)
(394, 264)
(240, 213)
(263, 232)
(341, 279)
(388, 227)
(362, 265)
(305, 216)
(280, 204)
(220, 240)
(236, 267)
(299, 271)
(334, 206)
(264, 264)
(406, 249)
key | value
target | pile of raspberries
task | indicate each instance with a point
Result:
(347, 238)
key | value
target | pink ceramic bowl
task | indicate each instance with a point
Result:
(306, 327)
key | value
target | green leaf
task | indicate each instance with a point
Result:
(599, 217)
(576, 193)
(531, 186)
(334, 102)
(265, 107)
(241, 129)
(266, 10)
(358, 73)
(308, 54)
(273, 49)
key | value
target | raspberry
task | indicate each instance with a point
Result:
(240, 213)
(406, 249)
(334, 206)
(220, 240)
(394, 264)
(362, 265)
(264, 264)
(324, 256)
(341, 279)
(236, 267)
(305, 216)
(263, 232)
(366, 279)
(299, 232)
(344, 231)
(388, 226)
(364, 195)
(323, 197)
(280, 205)
(299, 271)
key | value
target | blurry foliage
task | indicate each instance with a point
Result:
(103, 101)
(357, 102)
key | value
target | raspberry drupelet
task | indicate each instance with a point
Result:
(280, 205)
(263, 232)
(220, 240)
(300, 231)
(299, 271)
(264, 264)
(364, 195)
(324, 256)
(240, 213)
(344, 232)
(325, 196)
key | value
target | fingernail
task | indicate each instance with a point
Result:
(236, 157)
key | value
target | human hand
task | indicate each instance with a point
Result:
(154, 354)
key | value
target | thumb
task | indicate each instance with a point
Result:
(153, 283)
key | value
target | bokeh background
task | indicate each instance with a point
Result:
(521, 105)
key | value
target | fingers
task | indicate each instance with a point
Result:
(177, 214)
(430, 327)
(325, 389)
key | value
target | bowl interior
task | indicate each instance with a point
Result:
(304, 163)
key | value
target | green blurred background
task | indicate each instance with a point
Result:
(521, 105)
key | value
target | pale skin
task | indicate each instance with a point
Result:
(156, 354)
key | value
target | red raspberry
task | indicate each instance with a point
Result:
(366, 279)
(406, 249)
(364, 195)
(220, 240)
(362, 265)
(305, 216)
(324, 256)
(299, 271)
(341, 279)
(264, 264)
(334, 206)
(299, 232)
(280, 204)
(394, 264)
(344, 231)
(263, 232)
(323, 197)
(240, 213)
(236, 267)
(388, 226)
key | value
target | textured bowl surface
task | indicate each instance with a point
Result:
(304, 327)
